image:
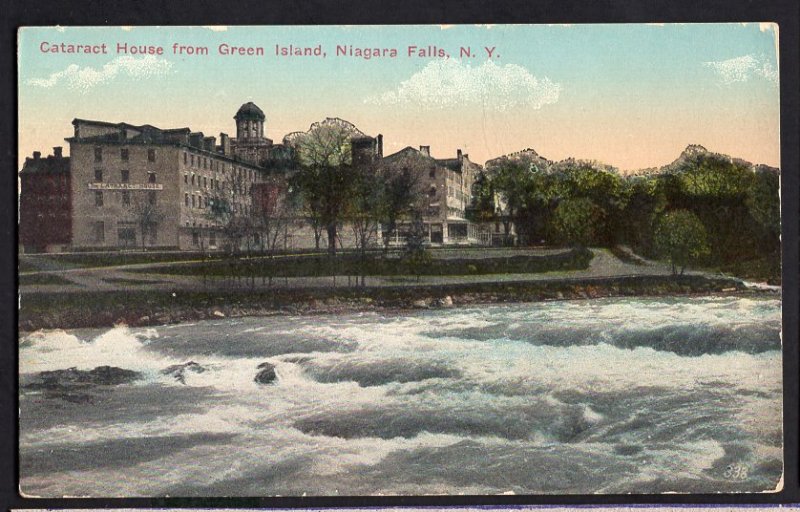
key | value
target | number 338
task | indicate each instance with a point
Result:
(735, 472)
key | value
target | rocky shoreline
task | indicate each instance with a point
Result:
(106, 309)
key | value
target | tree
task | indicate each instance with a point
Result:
(326, 175)
(599, 183)
(483, 207)
(147, 217)
(228, 206)
(646, 202)
(274, 211)
(681, 238)
(417, 255)
(365, 209)
(402, 194)
(764, 202)
(511, 179)
(576, 220)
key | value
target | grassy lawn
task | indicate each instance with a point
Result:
(27, 265)
(43, 279)
(110, 259)
(377, 265)
(123, 280)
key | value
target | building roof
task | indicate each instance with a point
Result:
(49, 165)
(249, 111)
(129, 133)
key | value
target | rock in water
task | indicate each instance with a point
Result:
(78, 386)
(267, 374)
(179, 370)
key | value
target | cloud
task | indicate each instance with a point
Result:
(87, 77)
(447, 83)
(742, 69)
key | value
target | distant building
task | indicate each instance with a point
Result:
(122, 174)
(131, 187)
(45, 205)
(446, 186)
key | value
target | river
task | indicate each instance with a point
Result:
(628, 395)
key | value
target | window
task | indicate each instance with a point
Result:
(126, 198)
(192, 157)
(205, 163)
(123, 154)
(185, 158)
(98, 175)
(433, 173)
(205, 182)
(195, 238)
(193, 201)
(151, 177)
(186, 178)
(212, 239)
(98, 198)
(151, 196)
(126, 237)
(192, 179)
(152, 231)
(124, 176)
(98, 154)
(99, 231)
(432, 192)
(151, 155)
(186, 199)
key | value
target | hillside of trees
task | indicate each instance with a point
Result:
(704, 208)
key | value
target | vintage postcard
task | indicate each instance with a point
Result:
(399, 260)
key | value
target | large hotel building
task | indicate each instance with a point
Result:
(125, 186)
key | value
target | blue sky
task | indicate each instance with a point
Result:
(629, 95)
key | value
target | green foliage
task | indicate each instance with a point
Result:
(763, 201)
(483, 208)
(576, 220)
(681, 238)
(583, 202)
(417, 256)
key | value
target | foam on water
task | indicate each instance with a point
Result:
(364, 403)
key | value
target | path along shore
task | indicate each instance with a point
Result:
(103, 297)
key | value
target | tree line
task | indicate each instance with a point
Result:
(704, 208)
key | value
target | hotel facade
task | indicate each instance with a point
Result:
(134, 187)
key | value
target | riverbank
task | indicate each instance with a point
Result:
(157, 307)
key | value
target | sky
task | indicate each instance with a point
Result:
(629, 95)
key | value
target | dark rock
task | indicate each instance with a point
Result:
(75, 385)
(179, 370)
(267, 374)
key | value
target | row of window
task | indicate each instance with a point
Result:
(126, 235)
(198, 161)
(124, 198)
(124, 176)
(201, 181)
(212, 183)
(201, 202)
(124, 154)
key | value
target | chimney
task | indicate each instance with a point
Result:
(459, 155)
(380, 145)
(196, 140)
(225, 142)
(37, 155)
(57, 151)
(210, 143)
(425, 150)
